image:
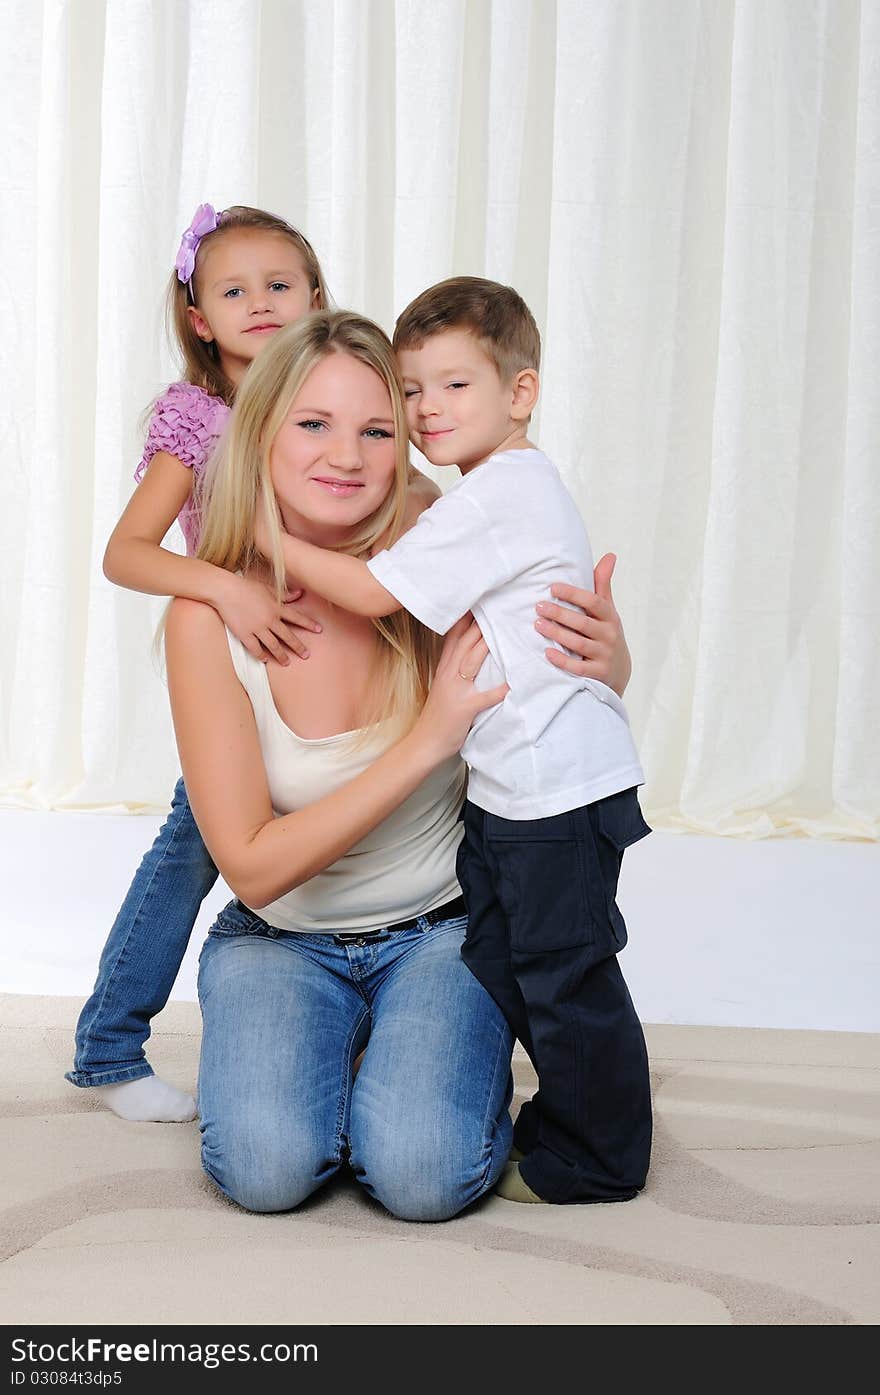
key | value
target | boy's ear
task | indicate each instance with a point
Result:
(524, 394)
(200, 324)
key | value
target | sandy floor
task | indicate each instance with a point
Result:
(762, 1206)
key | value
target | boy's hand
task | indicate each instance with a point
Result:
(266, 629)
(597, 634)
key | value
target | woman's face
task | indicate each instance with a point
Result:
(332, 461)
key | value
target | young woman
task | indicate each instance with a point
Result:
(328, 795)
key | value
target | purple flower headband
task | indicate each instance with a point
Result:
(204, 221)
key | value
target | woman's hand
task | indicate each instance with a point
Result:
(453, 701)
(266, 629)
(597, 634)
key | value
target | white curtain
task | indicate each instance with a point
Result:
(687, 192)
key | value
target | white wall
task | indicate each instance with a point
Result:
(771, 933)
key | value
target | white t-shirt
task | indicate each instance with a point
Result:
(402, 868)
(493, 545)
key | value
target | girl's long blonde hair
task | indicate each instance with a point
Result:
(201, 361)
(239, 477)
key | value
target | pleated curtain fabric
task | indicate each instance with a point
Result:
(687, 192)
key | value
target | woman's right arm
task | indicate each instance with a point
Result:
(136, 559)
(262, 857)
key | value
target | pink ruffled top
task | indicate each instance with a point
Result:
(187, 422)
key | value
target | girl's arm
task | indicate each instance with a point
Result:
(136, 559)
(262, 857)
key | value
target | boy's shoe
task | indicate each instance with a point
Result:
(512, 1187)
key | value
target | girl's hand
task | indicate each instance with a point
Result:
(266, 629)
(453, 701)
(597, 635)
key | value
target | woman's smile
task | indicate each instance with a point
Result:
(340, 487)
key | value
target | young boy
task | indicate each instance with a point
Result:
(552, 769)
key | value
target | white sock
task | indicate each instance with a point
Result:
(148, 1100)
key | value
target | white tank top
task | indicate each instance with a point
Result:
(404, 867)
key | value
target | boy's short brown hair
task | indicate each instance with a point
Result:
(496, 315)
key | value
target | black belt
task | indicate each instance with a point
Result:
(449, 911)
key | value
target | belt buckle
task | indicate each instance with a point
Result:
(355, 937)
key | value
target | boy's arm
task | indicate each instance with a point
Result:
(346, 581)
(436, 571)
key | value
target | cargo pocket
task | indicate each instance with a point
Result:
(617, 823)
(541, 883)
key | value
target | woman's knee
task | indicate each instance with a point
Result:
(416, 1181)
(414, 1194)
(270, 1172)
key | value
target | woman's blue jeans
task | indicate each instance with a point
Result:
(143, 952)
(424, 1124)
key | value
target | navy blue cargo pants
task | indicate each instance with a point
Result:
(543, 935)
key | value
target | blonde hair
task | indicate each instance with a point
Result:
(239, 478)
(201, 361)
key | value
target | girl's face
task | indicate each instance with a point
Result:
(249, 282)
(332, 461)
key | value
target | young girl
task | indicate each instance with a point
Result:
(240, 275)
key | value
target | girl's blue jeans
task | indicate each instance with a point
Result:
(143, 952)
(424, 1123)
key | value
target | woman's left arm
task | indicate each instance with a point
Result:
(421, 493)
(421, 487)
(594, 631)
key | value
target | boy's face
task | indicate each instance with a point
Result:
(458, 409)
